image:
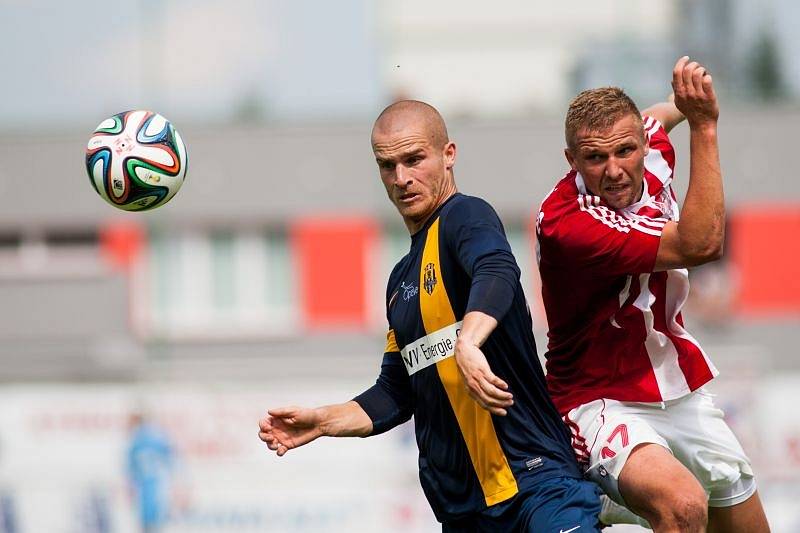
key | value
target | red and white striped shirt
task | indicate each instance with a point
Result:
(616, 329)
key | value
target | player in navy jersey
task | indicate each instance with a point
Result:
(509, 467)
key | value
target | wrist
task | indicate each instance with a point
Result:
(705, 128)
(467, 341)
(323, 416)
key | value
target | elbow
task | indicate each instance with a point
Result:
(707, 254)
(716, 253)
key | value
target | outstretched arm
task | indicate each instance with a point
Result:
(667, 113)
(698, 237)
(286, 428)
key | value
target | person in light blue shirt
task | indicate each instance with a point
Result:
(150, 463)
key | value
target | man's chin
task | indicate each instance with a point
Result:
(618, 203)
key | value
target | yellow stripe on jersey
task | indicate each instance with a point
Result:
(391, 342)
(488, 459)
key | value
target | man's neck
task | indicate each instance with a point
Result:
(415, 226)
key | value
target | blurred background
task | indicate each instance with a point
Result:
(138, 351)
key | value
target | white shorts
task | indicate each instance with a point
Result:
(604, 432)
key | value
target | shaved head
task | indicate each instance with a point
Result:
(415, 158)
(405, 113)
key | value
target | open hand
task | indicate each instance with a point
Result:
(285, 428)
(482, 384)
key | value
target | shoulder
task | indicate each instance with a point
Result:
(464, 207)
(557, 205)
(657, 136)
(659, 163)
(394, 277)
(463, 211)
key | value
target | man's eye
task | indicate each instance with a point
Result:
(413, 160)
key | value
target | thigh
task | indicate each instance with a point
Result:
(701, 439)
(559, 505)
(605, 432)
(653, 481)
(745, 517)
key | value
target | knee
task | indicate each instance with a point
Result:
(682, 511)
(691, 512)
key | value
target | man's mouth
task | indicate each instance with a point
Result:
(407, 197)
(613, 189)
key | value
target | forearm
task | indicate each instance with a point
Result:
(344, 420)
(666, 113)
(388, 402)
(476, 328)
(701, 229)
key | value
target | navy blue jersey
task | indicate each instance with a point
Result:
(469, 460)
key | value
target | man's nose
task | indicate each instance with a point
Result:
(402, 176)
(613, 168)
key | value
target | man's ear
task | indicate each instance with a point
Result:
(449, 153)
(570, 159)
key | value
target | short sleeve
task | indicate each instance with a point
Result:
(660, 161)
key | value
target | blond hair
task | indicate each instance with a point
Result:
(598, 110)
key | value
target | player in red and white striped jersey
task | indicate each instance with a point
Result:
(622, 369)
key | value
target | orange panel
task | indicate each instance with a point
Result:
(332, 258)
(765, 248)
(121, 241)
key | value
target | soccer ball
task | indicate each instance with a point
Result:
(136, 160)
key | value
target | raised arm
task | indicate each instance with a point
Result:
(698, 237)
(667, 113)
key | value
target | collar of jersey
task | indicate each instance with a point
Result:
(416, 236)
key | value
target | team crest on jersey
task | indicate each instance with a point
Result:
(430, 278)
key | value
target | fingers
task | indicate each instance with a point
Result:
(708, 86)
(698, 86)
(491, 393)
(267, 430)
(677, 75)
(694, 93)
(483, 386)
(495, 387)
(265, 424)
(273, 443)
(283, 412)
(688, 78)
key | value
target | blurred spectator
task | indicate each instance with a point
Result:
(150, 459)
(8, 521)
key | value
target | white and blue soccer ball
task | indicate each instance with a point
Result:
(136, 160)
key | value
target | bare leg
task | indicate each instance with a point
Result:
(659, 488)
(745, 517)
